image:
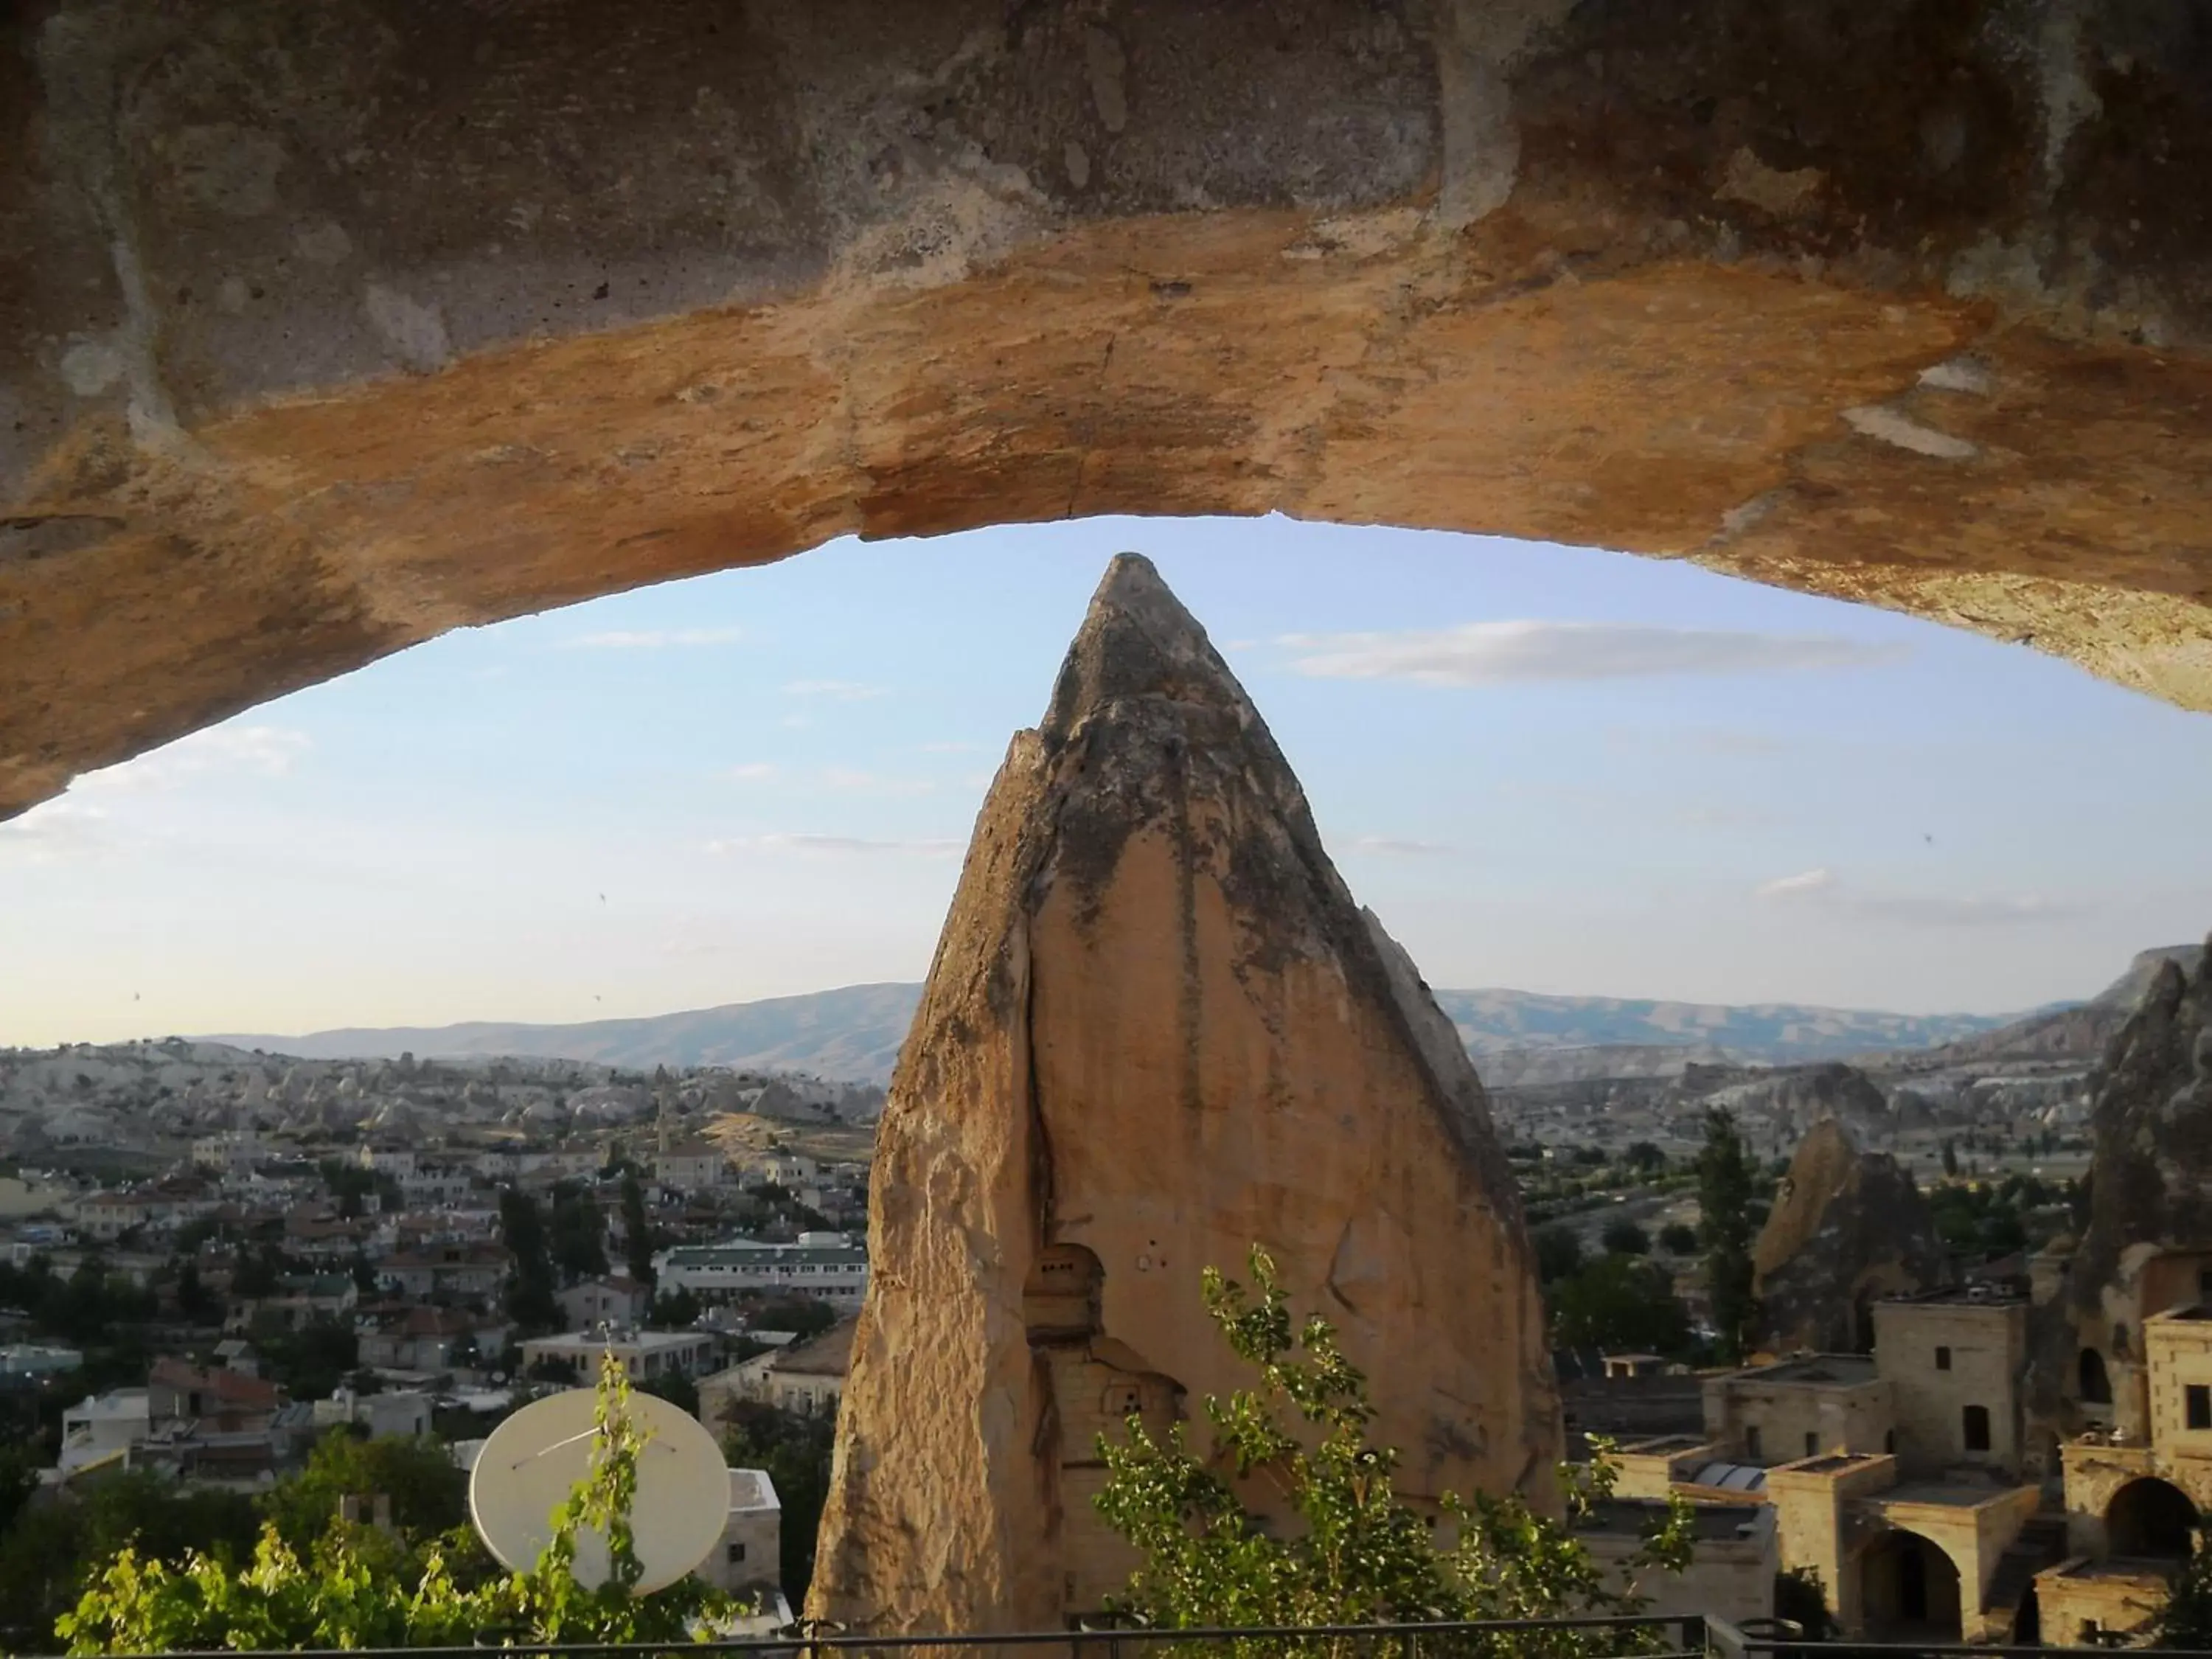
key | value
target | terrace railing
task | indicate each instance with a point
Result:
(1645, 1637)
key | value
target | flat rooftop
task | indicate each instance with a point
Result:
(1633, 1518)
(1960, 1296)
(1813, 1370)
(1831, 1461)
(2195, 1311)
(1950, 1494)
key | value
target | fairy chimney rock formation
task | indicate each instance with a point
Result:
(1157, 1030)
(2148, 1245)
(1848, 1227)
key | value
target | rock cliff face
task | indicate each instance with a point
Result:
(1848, 1226)
(2150, 1235)
(1157, 1030)
(314, 348)
(2152, 1122)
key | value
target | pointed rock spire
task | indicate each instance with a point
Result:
(1157, 1030)
(1848, 1227)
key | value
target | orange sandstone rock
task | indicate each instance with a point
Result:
(1158, 1030)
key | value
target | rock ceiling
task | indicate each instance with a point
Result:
(325, 329)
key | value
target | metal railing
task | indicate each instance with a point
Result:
(1726, 1641)
(1645, 1635)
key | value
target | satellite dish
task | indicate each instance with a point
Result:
(532, 1461)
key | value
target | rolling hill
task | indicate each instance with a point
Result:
(853, 1033)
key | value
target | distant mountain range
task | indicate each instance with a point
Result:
(2074, 1031)
(852, 1034)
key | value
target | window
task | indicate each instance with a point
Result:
(1889, 1443)
(2204, 1284)
(2198, 1403)
(736, 1554)
(1812, 1444)
(1942, 1360)
(1976, 1424)
(1751, 1442)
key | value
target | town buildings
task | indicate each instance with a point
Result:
(646, 1356)
(826, 1265)
(805, 1376)
(1912, 1482)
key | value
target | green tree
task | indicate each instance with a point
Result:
(1558, 1254)
(1725, 1228)
(530, 1299)
(357, 1588)
(677, 1389)
(312, 1361)
(45, 1555)
(1950, 1158)
(1620, 1304)
(1624, 1238)
(1355, 1552)
(677, 1310)
(428, 1491)
(2185, 1621)
(1677, 1238)
(577, 1240)
(1644, 1156)
(795, 1449)
(257, 1273)
(196, 1304)
(1800, 1598)
(637, 1230)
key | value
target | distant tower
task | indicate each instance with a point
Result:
(667, 1125)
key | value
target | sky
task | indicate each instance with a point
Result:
(1548, 768)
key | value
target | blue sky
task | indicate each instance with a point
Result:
(1551, 768)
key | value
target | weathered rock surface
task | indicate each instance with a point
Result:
(2152, 1120)
(324, 330)
(1157, 1030)
(2083, 1032)
(2150, 1216)
(1848, 1226)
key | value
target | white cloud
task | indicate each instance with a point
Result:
(833, 690)
(1507, 653)
(1823, 889)
(268, 751)
(54, 831)
(1807, 881)
(655, 639)
(832, 846)
(751, 772)
(1398, 846)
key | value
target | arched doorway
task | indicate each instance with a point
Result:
(2150, 1519)
(1908, 1589)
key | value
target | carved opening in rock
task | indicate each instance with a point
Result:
(2150, 1520)
(1060, 1301)
(2094, 1383)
